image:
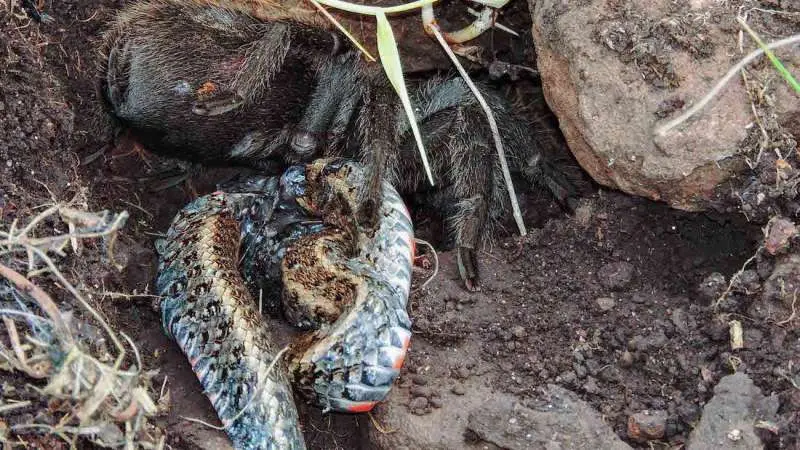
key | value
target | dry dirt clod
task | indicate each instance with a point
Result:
(616, 275)
(712, 286)
(421, 391)
(680, 319)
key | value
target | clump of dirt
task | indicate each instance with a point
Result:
(610, 303)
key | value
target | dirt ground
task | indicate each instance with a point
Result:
(609, 303)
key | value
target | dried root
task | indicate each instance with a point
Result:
(90, 392)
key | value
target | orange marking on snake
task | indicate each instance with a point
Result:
(398, 363)
(362, 407)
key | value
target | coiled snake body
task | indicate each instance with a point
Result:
(346, 284)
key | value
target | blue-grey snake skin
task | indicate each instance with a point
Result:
(345, 284)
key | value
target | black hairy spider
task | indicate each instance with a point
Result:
(212, 85)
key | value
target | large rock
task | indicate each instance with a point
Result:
(729, 418)
(483, 417)
(613, 72)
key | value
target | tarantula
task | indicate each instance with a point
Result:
(214, 85)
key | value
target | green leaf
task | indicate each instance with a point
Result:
(390, 59)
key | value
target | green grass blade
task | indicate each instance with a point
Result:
(773, 59)
(390, 59)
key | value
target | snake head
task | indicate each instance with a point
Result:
(293, 184)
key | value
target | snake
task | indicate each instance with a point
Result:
(295, 240)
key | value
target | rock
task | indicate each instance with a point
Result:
(421, 391)
(736, 406)
(605, 303)
(458, 390)
(647, 425)
(613, 74)
(564, 421)
(419, 380)
(781, 231)
(559, 420)
(615, 275)
(626, 360)
(462, 373)
(519, 331)
(418, 405)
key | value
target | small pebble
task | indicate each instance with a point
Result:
(519, 331)
(590, 387)
(626, 360)
(419, 380)
(780, 233)
(420, 391)
(605, 303)
(462, 372)
(647, 425)
(458, 390)
(418, 404)
(436, 402)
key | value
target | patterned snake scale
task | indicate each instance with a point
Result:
(346, 285)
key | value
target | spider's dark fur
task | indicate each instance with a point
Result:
(215, 86)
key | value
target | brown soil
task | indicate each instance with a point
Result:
(604, 303)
